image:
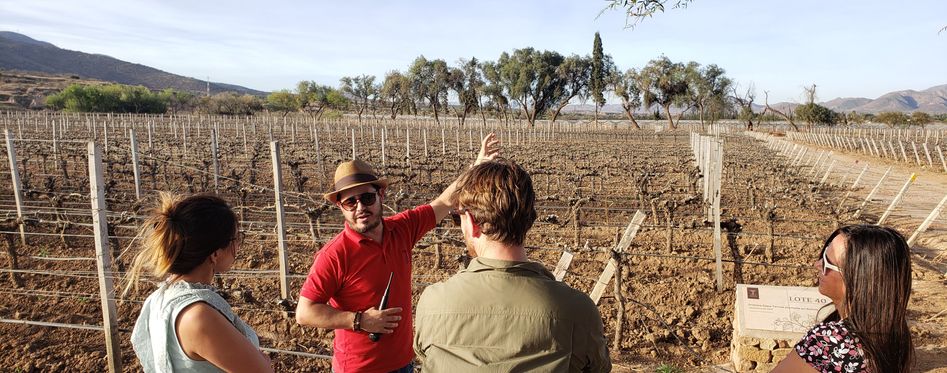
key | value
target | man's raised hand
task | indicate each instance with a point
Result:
(489, 149)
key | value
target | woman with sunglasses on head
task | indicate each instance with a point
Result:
(185, 325)
(866, 271)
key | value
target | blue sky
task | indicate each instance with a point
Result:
(847, 48)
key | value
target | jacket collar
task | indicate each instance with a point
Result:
(484, 264)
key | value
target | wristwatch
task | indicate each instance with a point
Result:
(357, 324)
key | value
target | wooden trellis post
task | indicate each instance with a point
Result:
(630, 232)
(150, 127)
(627, 237)
(215, 157)
(322, 165)
(103, 262)
(850, 190)
(565, 260)
(55, 143)
(17, 193)
(603, 280)
(897, 199)
(917, 158)
(280, 223)
(874, 190)
(717, 172)
(927, 222)
(137, 173)
(827, 172)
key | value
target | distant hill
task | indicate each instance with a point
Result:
(846, 104)
(932, 100)
(22, 53)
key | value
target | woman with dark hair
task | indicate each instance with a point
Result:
(866, 271)
(185, 325)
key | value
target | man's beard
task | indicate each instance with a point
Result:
(373, 223)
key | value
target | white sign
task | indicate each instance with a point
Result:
(780, 308)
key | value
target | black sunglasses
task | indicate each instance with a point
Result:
(367, 199)
(455, 215)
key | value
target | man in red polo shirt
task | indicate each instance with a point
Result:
(349, 275)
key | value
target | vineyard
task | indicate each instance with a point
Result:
(778, 194)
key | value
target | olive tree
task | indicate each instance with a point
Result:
(429, 82)
(892, 118)
(282, 101)
(313, 98)
(920, 118)
(625, 86)
(395, 92)
(467, 82)
(530, 78)
(813, 113)
(575, 74)
(709, 86)
(362, 90)
(664, 83)
(493, 90)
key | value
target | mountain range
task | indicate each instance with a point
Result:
(21, 53)
(932, 100)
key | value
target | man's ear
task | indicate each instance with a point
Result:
(381, 191)
(474, 226)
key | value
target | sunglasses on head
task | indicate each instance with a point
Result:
(367, 199)
(826, 266)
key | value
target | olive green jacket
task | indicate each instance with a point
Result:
(502, 316)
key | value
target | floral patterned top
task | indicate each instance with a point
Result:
(830, 347)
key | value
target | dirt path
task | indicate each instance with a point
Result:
(929, 298)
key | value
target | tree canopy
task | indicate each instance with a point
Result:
(664, 83)
(892, 118)
(529, 77)
(813, 113)
(115, 98)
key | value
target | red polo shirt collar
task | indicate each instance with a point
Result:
(352, 236)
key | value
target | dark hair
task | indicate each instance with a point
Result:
(876, 271)
(500, 197)
(180, 233)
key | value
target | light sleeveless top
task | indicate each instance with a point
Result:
(154, 338)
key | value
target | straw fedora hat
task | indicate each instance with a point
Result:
(352, 174)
